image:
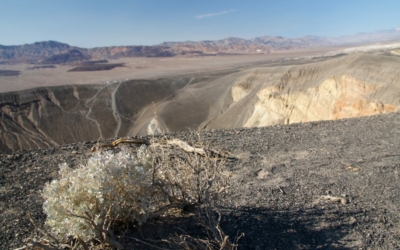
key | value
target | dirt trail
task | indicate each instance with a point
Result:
(279, 187)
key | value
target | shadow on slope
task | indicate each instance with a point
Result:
(263, 228)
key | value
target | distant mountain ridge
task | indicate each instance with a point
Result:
(52, 52)
(33, 51)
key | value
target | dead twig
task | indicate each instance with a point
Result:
(119, 141)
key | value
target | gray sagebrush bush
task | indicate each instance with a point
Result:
(87, 200)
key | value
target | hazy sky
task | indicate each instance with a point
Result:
(91, 23)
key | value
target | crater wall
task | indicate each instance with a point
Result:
(348, 86)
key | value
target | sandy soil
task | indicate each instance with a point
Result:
(139, 68)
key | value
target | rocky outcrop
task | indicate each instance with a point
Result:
(395, 52)
(335, 98)
(349, 86)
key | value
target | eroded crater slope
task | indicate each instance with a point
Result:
(52, 116)
(348, 86)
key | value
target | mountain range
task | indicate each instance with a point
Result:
(52, 52)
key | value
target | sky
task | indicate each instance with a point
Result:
(96, 23)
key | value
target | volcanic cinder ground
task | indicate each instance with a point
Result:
(51, 106)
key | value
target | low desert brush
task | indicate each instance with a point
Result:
(127, 187)
(87, 200)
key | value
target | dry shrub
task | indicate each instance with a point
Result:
(132, 187)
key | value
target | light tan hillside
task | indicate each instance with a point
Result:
(350, 86)
(396, 52)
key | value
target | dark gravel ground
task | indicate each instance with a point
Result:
(275, 190)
